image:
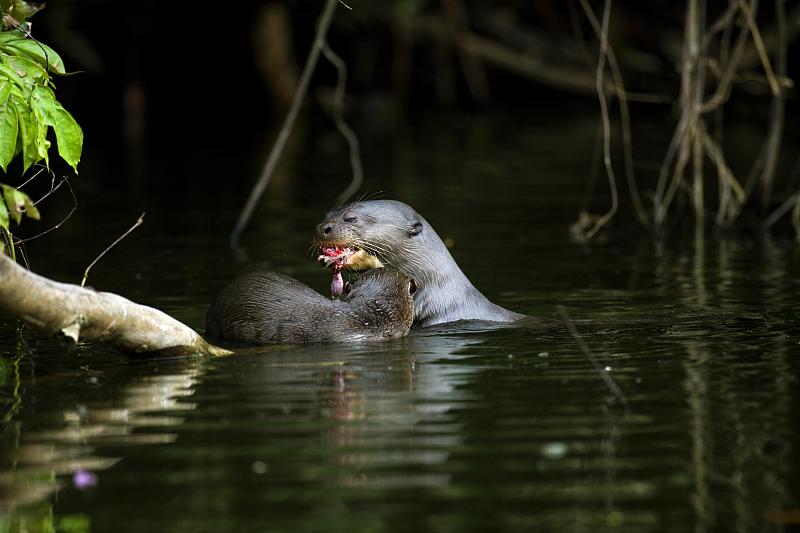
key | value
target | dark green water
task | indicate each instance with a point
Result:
(446, 430)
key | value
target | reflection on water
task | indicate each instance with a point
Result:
(60, 453)
(450, 429)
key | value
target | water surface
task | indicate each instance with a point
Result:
(449, 429)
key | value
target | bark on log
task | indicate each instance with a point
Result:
(79, 313)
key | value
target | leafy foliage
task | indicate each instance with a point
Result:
(29, 109)
(28, 106)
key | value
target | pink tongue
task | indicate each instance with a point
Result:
(337, 285)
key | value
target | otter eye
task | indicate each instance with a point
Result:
(412, 287)
(350, 219)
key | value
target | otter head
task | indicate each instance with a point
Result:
(382, 301)
(366, 235)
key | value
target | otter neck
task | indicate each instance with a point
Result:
(445, 294)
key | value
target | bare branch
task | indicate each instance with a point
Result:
(110, 246)
(342, 126)
(600, 86)
(77, 313)
(599, 368)
(323, 24)
(622, 96)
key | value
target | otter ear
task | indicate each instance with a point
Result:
(415, 229)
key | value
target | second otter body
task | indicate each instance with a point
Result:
(374, 233)
(267, 307)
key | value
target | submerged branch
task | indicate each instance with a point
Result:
(599, 368)
(77, 313)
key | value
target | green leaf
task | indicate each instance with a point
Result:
(9, 126)
(11, 74)
(12, 34)
(14, 201)
(5, 89)
(28, 70)
(3, 215)
(43, 55)
(24, 10)
(68, 133)
(27, 134)
(40, 125)
(31, 211)
(18, 203)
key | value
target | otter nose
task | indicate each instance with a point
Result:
(324, 229)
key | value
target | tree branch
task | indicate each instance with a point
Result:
(78, 313)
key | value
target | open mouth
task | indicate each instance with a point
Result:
(339, 258)
(334, 256)
(347, 257)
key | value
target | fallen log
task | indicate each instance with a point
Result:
(78, 313)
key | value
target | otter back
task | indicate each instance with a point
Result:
(267, 307)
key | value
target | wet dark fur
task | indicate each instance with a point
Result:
(404, 241)
(266, 307)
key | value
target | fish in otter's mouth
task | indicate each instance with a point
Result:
(339, 258)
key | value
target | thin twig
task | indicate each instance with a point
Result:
(723, 87)
(64, 179)
(341, 124)
(760, 48)
(36, 175)
(677, 177)
(695, 83)
(784, 208)
(772, 145)
(675, 144)
(622, 96)
(599, 368)
(725, 200)
(796, 218)
(716, 155)
(722, 24)
(323, 23)
(110, 246)
(600, 85)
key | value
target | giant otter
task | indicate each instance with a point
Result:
(265, 307)
(375, 233)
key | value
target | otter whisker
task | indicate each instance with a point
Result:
(313, 248)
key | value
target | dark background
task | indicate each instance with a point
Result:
(175, 106)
